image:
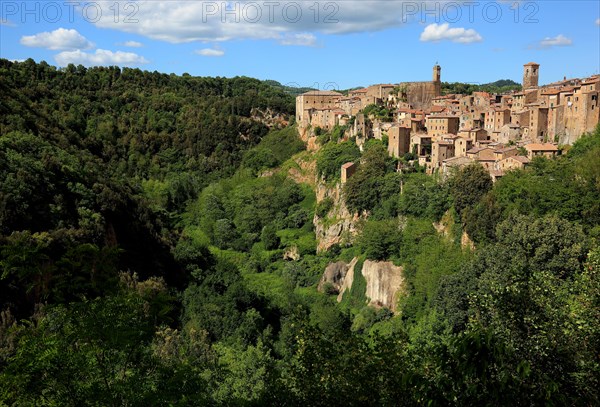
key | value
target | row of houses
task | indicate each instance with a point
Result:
(444, 131)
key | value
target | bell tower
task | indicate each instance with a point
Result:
(437, 73)
(531, 73)
(437, 80)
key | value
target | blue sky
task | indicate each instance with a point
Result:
(348, 43)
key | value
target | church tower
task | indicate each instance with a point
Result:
(437, 73)
(437, 80)
(531, 72)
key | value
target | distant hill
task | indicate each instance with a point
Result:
(503, 82)
(290, 90)
(500, 86)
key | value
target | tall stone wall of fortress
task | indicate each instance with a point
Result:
(420, 94)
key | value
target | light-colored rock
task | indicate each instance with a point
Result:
(347, 283)
(312, 145)
(306, 173)
(269, 117)
(291, 253)
(466, 242)
(340, 223)
(335, 274)
(385, 283)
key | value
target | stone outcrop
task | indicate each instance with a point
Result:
(348, 281)
(339, 225)
(336, 275)
(269, 118)
(384, 281)
(291, 253)
(466, 242)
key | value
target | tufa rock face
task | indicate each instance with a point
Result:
(466, 242)
(336, 274)
(384, 283)
(340, 225)
(291, 253)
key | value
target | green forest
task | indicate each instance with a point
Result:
(158, 247)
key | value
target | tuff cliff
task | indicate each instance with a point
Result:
(384, 281)
(339, 225)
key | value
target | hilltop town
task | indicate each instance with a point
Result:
(440, 132)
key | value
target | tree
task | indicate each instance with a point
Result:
(468, 186)
(331, 157)
(379, 240)
(269, 237)
(363, 190)
(523, 294)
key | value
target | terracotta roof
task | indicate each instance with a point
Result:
(541, 147)
(519, 158)
(567, 89)
(505, 149)
(321, 93)
(591, 80)
(457, 161)
(475, 150)
(531, 64)
(443, 116)
(551, 92)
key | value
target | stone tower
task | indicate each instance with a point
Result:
(437, 79)
(531, 72)
(437, 73)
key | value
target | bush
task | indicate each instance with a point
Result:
(333, 155)
(380, 240)
(269, 237)
(324, 207)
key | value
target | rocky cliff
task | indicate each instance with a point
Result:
(384, 281)
(336, 276)
(339, 225)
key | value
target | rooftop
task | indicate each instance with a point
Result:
(321, 93)
(541, 147)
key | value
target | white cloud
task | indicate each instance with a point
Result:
(302, 39)
(100, 57)
(59, 39)
(131, 44)
(442, 32)
(598, 21)
(210, 52)
(558, 41)
(179, 21)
